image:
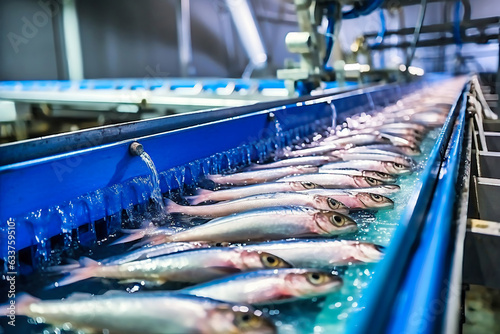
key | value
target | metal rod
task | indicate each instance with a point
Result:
(416, 35)
(248, 31)
(183, 17)
(441, 27)
(478, 39)
(72, 40)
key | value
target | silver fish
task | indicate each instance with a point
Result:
(403, 150)
(266, 286)
(313, 151)
(258, 225)
(260, 176)
(385, 189)
(349, 156)
(192, 266)
(321, 253)
(361, 200)
(334, 180)
(146, 313)
(355, 140)
(148, 252)
(300, 161)
(204, 195)
(386, 178)
(380, 166)
(256, 202)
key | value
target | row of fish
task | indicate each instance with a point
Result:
(272, 232)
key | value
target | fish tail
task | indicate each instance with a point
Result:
(133, 235)
(86, 270)
(200, 196)
(21, 307)
(173, 207)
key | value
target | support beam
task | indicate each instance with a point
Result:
(72, 41)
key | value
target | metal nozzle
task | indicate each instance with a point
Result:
(136, 149)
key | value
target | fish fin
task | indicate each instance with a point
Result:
(199, 196)
(23, 301)
(133, 235)
(86, 270)
(64, 268)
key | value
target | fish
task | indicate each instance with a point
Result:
(403, 150)
(386, 178)
(379, 166)
(147, 252)
(376, 156)
(364, 150)
(204, 195)
(385, 189)
(145, 313)
(360, 200)
(256, 225)
(300, 161)
(355, 140)
(192, 266)
(269, 286)
(260, 176)
(321, 253)
(328, 180)
(312, 151)
(256, 202)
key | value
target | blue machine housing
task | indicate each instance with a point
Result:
(67, 192)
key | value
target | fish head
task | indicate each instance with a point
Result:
(379, 176)
(396, 168)
(366, 182)
(310, 282)
(333, 223)
(368, 252)
(303, 185)
(328, 203)
(253, 259)
(371, 200)
(238, 319)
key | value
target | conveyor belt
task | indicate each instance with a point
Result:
(83, 192)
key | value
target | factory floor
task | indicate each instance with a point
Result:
(482, 310)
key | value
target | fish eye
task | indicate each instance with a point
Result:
(398, 166)
(376, 197)
(337, 220)
(309, 185)
(333, 204)
(382, 175)
(371, 181)
(271, 261)
(247, 320)
(316, 278)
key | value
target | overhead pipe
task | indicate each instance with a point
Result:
(248, 31)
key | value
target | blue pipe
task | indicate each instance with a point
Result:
(380, 37)
(362, 10)
(329, 35)
(456, 27)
